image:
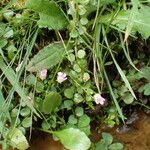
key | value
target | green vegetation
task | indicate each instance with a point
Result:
(61, 60)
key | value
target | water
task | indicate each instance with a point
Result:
(135, 136)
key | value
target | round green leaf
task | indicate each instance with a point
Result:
(81, 53)
(77, 68)
(31, 79)
(14, 112)
(69, 93)
(83, 21)
(82, 10)
(39, 87)
(45, 125)
(25, 111)
(74, 33)
(84, 120)
(72, 119)
(128, 98)
(101, 146)
(116, 146)
(108, 139)
(78, 98)
(27, 122)
(146, 89)
(11, 49)
(86, 77)
(73, 139)
(79, 111)
(68, 104)
(71, 57)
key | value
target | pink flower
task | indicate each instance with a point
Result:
(43, 74)
(61, 77)
(99, 99)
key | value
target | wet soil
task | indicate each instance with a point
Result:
(135, 135)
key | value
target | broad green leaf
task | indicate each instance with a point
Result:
(17, 139)
(46, 58)
(51, 102)
(73, 139)
(116, 146)
(51, 15)
(140, 20)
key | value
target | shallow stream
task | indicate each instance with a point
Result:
(135, 136)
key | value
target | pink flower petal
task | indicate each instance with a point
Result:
(99, 99)
(61, 77)
(43, 74)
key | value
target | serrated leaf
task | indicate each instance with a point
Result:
(46, 58)
(17, 139)
(140, 20)
(51, 16)
(73, 139)
(51, 101)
